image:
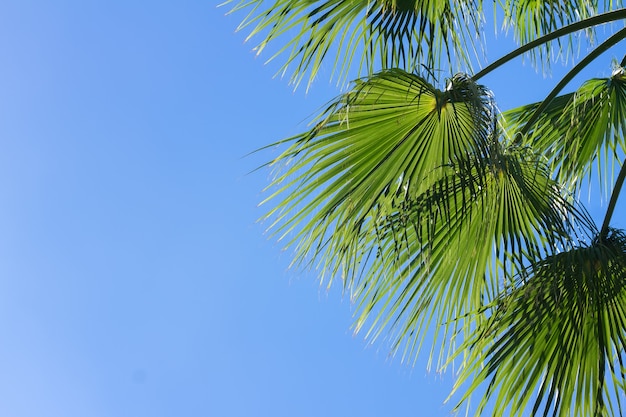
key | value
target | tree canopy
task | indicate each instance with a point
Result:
(438, 212)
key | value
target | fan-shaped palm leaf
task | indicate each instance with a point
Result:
(579, 129)
(388, 135)
(385, 33)
(402, 190)
(555, 342)
(434, 256)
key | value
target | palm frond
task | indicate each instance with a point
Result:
(434, 260)
(555, 344)
(403, 191)
(580, 129)
(380, 33)
(387, 136)
(531, 19)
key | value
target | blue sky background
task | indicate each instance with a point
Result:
(134, 280)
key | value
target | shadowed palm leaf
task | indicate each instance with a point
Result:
(439, 246)
(560, 338)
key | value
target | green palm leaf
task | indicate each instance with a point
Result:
(531, 19)
(402, 190)
(385, 33)
(580, 129)
(388, 135)
(436, 227)
(555, 342)
(434, 256)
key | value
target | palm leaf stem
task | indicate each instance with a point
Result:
(614, 195)
(574, 27)
(603, 47)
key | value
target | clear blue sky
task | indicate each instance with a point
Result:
(134, 280)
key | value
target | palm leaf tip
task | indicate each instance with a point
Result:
(385, 33)
(559, 338)
(531, 19)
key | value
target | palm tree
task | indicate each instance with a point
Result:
(439, 213)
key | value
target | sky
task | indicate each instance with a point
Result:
(135, 279)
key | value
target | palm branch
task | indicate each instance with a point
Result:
(557, 343)
(579, 130)
(403, 191)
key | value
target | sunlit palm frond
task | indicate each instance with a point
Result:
(390, 134)
(531, 19)
(381, 34)
(556, 344)
(402, 190)
(580, 129)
